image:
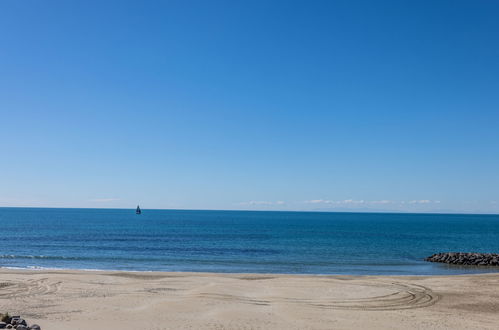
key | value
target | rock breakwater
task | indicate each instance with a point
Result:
(472, 259)
(16, 322)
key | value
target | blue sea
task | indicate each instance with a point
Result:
(241, 241)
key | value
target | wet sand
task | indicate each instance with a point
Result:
(62, 300)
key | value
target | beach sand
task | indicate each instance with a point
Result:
(70, 300)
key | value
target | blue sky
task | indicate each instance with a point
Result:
(264, 105)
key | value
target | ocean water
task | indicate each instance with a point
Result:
(241, 241)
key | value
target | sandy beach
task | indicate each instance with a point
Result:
(60, 300)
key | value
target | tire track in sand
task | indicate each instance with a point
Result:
(403, 296)
(28, 288)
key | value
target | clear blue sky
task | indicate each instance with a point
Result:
(279, 105)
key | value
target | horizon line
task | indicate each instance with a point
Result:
(247, 210)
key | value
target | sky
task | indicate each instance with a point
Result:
(251, 105)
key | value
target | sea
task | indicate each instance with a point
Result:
(242, 241)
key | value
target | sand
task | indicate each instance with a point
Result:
(70, 300)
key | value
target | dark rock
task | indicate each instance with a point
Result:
(3, 325)
(35, 327)
(21, 327)
(458, 258)
(9, 326)
(16, 320)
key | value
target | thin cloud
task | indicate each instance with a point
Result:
(341, 202)
(351, 201)
(318, 201)
(366, 202)
(424, 201)
(384, 201)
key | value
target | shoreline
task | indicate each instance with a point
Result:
(491, 270)
(78, 299)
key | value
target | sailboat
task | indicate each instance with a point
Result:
(138, 211)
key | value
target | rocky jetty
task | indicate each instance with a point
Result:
(472, 259)
(16, 322)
